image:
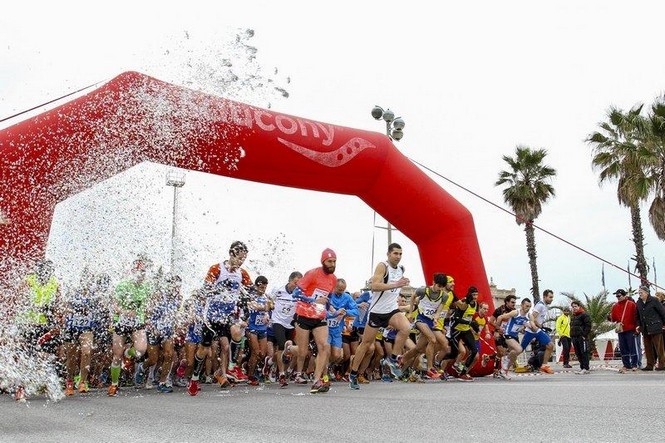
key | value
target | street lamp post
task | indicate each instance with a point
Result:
(394, 131)
(177, 180)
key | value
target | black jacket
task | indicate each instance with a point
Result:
(580, 325)
(650, 316)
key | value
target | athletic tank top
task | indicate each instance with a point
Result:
(468, 316)
(384, 302)
(516, 323)
(427, 306)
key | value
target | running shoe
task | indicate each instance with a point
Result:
(353, 382)
(164, 388)
(138, 376)
(239, 375)
(69, 388)
(362, 379)
(113, 390)
(325, 387)
(583, 372)
(546, 369)
(253, 381)
(567, 366)
(223, 381)
(465, 377)
(386, 378)
(180, 382)
(19, 395)
(316, 387)
(501, 375)
(193, 387)
(231, 376)
(394, 369)
(433, 374)
(459, 367)
(300, 380)
(282, 381)
(84, 388)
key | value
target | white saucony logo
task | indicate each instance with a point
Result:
(332, 159)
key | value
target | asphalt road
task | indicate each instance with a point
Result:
(603, 406)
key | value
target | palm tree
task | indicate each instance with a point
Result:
(654, 156)
(598, 308)
(616, 154)
(526, 191)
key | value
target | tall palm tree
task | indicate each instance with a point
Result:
(526, 191)
(654, 156)
(616, 154)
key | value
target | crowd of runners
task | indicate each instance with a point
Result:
(308, 330)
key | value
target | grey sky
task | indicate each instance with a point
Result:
(471, 80)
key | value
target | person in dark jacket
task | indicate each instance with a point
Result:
(580, 328)
(650, 318)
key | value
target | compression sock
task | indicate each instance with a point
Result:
(130, 352)
(235, 348)
(115, 374)
(198, 367)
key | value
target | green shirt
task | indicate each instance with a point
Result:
(131, 296)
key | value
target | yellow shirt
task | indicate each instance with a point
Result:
(563, 326)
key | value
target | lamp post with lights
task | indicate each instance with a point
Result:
(394, 131)
(177, 180)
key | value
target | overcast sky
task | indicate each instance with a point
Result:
(471, 79)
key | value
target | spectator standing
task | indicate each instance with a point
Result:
(623, 313)
(563, 331)
(650, 319)
(580, 328)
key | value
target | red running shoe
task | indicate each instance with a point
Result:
(193, 387)
(239, 375)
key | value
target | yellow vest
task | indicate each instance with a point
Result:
(563, 326)
(41, 297)
(468, 314)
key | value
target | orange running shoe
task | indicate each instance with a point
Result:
(223, 381)
(83, 388)
(362, 379)
(69, 388)
(546, 369)
(113, 390)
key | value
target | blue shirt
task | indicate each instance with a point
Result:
(361, 319)
(346, 301)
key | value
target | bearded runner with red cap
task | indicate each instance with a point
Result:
(311, 308)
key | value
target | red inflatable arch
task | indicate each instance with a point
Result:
(135, 118)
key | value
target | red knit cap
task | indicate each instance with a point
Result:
(328, 253)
